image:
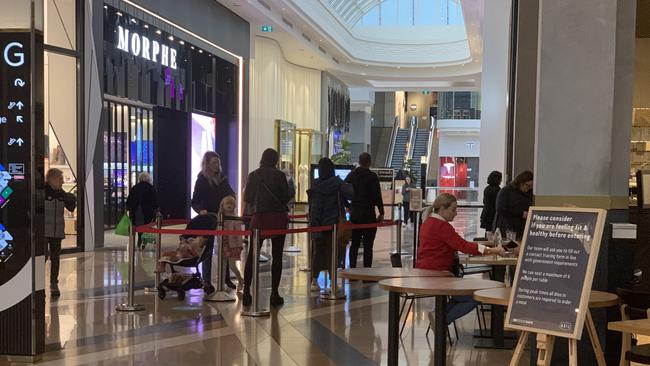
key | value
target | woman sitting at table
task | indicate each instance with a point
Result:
(439, 247)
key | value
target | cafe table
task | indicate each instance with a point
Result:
(597, 299)
(383, 273)
(440, 287)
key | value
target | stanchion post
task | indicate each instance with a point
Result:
(220, 294)
(255, 309)
(399, 237)
(130, 305)
(307, 268)
(158, 247)
(416, 235)
(334, 293)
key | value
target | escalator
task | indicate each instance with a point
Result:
(420, 149)
(398, 151)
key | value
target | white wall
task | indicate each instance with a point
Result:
(279, 90)
(459, 145)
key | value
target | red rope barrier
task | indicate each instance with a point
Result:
(148, 228)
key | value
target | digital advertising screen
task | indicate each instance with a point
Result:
(203, 139)
(340, 171)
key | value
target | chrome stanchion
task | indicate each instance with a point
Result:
(399, 237)
(334, 292)
(255, 309)
(220, 294)
(416, 235)
(154, 289)
(130, 305)
(307, 268)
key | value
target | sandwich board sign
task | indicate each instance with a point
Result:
(555, 270)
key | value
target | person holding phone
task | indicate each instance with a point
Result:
(439, 247)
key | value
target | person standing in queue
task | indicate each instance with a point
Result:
(490, 200)
(142, 203)
(56, 199)
(406, 200)
(327, 198)
(513, 202)
(439, 247)
(267, 196)
(210, 189)
(367, 196)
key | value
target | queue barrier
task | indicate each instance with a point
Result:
(159, 227)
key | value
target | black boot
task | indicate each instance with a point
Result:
(247, 299)
(276, 299)
(229, 283)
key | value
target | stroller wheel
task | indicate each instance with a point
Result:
(161, 293)
(181, 295)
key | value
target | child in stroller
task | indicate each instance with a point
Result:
(191, 252)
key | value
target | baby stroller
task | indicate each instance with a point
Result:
(183, 282)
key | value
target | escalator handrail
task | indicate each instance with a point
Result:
(393, 138)
(432, 131)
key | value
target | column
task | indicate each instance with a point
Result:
(584, 110)
(494, 89)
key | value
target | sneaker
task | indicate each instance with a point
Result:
(314, 286)
(54, 290)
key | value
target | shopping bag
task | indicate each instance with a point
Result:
(148, 238)
(123, 227)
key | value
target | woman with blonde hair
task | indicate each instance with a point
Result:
(210, 189)
(439, 247)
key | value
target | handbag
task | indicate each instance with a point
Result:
(123, 227)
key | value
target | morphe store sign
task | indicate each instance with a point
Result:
(141, 46)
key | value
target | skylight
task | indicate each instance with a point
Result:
(405, 13)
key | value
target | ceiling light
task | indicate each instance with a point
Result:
(119, 14)
(181, 42)
(363, 73)
(158, 31)
(171, 38)
(134, 21)
(200, 51)
(146, 26)
(399, 67)
(192, 47)
(105, 7)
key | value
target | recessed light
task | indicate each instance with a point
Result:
(105, 7)
(119, 14)
(146, 26)
(158, 31)
(200, 51)
(192, 47)
(171, 38)
(133, 20)
(181, 42)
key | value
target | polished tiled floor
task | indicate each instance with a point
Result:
(84, 329)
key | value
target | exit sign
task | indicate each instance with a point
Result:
(267, 29)
(425, 92)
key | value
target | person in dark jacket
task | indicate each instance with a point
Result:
(56, 199)
(490, 200)
(210, 189)
(267, 196)
(367, 196)
(327, 199)
(142, 203)
(513, 202)
(406, 199)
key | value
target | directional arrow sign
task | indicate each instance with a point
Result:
(12, 105)
(20, 106)
(19, 82)
(19, 119)
(11, 141)
(20, 142)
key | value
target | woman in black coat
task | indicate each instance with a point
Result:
(267, 195)
(513, 202)
(210, 188)
(490, 200)
(327, 198)
(142, 203)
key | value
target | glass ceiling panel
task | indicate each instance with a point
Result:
(406, 13)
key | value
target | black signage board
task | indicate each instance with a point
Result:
(22, 302)
(555, 270)
(385, 175)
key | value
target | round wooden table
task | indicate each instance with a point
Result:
(383, 273)
(597, 299)
(501, 296)
(440, 287)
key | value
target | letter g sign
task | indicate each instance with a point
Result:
(16, 58)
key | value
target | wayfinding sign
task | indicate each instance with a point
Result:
(555, 270)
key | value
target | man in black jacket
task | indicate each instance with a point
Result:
(367, 196)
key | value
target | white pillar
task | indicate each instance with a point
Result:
(494, 89)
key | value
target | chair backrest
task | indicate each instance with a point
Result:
(636, 303)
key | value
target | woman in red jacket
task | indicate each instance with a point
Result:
(439, 247)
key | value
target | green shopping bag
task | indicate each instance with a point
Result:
(148, 238)
(123, 227)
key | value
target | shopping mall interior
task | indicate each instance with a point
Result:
(483, 201)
